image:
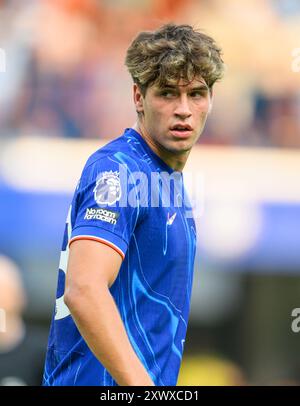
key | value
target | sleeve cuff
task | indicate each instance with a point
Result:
(101, 235)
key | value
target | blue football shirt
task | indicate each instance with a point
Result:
(129, 199)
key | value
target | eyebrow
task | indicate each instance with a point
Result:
(173, 87)
(203, 87)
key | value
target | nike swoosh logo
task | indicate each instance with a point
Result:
(170, 220)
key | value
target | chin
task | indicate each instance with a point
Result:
(180, 147)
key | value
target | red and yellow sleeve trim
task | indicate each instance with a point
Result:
(101, 240)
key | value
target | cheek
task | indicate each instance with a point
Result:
(156, 116)
(202, 106)
(202, 115)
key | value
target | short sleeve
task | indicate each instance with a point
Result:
(108, 203)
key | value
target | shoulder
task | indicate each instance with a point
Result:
(117, 156)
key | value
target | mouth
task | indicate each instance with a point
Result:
(181, 130)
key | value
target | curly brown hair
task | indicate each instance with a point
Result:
(171, 53)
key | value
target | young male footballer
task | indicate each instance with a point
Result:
(126, 267)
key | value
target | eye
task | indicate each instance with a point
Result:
(168, 93)
(199, 94)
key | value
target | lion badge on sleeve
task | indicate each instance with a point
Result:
(108, 188)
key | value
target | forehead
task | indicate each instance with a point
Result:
(182, 83)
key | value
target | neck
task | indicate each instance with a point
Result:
(175, 161)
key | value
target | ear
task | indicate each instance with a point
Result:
(211, 98)
(138, 99)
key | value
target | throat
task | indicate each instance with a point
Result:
(174, 159)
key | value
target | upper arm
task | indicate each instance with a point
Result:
(101, 223)
(91, 264)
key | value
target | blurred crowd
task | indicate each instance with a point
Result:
(22, 344)
(65, 74)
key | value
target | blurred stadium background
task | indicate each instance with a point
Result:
(64, 92)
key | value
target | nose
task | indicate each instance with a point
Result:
(182, 109)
